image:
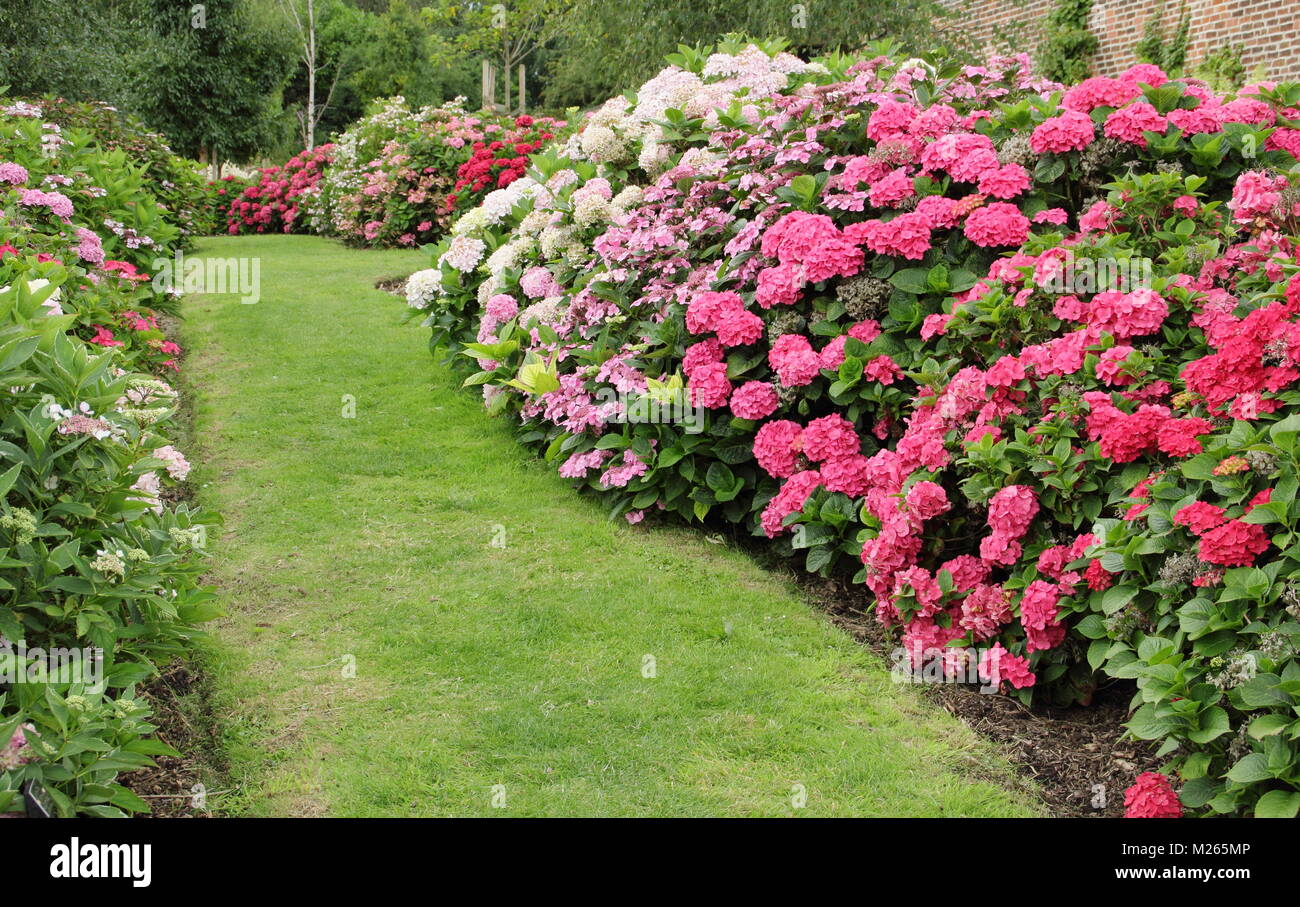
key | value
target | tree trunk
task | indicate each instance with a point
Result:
(311, 74)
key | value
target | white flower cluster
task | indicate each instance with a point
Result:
(614, 131)
(423, 287)
(555, 222)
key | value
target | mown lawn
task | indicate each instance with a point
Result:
(423, 621)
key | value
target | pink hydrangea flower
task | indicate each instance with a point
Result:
(777, 447)
(754, 400)
(830, 437)
(998, 224)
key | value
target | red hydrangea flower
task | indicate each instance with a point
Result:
(1234, 544)
(1177, 437)
(1152, 797)
(1098, 577)
(1200, 517)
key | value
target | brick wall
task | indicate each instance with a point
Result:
(1268, 29)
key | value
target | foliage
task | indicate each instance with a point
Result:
(1222, 68)
(1152, 47)
(857, 308)
(1067, 47)
(399, 59)
(67, 169)
(94, 553)
(175, 183)
(210, 77)
(601, 48)
(506, 33)
(69, 48)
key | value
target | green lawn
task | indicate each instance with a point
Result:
(499, 625)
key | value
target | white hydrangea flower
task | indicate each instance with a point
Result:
(534, 222)
(554, 240)
(591, 209)
(423, 287)
(464, 253)
(508, 256)
(471, 222)
(498, 204)
(602, 145)
(629, 198)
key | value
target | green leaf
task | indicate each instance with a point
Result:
(1117, 597)
(1214, 723)
(912, 280)
(1252, 767)
(818, 558)
(7, 480)
(719, 478)
(1278, 804)
(1268, 725)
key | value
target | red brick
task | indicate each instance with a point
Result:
(1268, 28)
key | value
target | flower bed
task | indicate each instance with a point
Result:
(99, 565)
(1020, 356)
(400, 175)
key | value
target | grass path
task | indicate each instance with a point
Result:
(383, 657)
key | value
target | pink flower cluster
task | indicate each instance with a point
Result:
(809, 248)
(272, 203)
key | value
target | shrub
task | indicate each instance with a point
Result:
(95, 551)
(57, 169)
(399, 176)
(176, 184)
(873, 299)
(270, 203)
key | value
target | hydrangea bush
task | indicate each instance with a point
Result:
(399, 175)
(1018, 355)
(96, 552)
(175, 183)
(53, 170)
(270, 203)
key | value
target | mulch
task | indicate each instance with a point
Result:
(172, 788)
(394, 285)
(1075, 756)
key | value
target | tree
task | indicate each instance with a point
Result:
(70, 48)
(508, 32)
(211, 77)
(309, 20)
(600, 49)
